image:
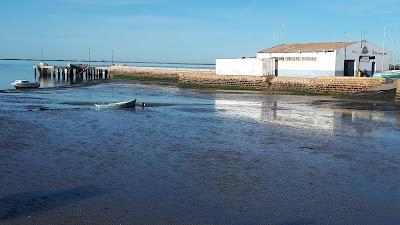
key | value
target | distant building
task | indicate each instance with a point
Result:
(311, 60)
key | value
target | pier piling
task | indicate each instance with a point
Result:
(72, 73)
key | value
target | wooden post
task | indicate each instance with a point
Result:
(69, 74)
(397, 98)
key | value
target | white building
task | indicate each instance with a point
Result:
(311, 60)
(244, 66)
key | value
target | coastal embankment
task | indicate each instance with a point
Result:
(397, 100)
(154, 73)
(203, 78)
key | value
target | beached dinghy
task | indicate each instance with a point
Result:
(118, 105)
(25, 84)
(394, 74)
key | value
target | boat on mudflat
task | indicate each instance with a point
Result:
(394, 74)
(118, 105)
(25, 84)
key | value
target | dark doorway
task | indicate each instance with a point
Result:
(276, 67)
(373, 68)
(348, 68)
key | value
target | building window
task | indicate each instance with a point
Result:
(311, 59)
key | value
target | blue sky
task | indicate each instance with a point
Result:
(186, 31)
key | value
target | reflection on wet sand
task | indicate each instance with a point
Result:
(57, 81)
(308, 117)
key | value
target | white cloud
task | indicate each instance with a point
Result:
(247, 8)
(109, 2)
(144, 19)
(366, 8)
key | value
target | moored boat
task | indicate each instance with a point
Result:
(394, 74)
(128, 104)
(25, 84)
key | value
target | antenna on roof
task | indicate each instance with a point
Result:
(41, 54)
(281, 26)
(383, 53)
(363, 35)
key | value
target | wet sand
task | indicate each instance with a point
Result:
(195, 157)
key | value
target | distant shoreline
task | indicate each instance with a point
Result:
(107, 61)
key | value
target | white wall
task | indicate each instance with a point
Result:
(324, 65)
(353, 52)
(243, 67)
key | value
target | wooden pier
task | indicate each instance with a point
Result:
(71, 73)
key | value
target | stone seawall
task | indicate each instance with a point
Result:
(344, 85)
(199, 77)
(289, 84)
(156, 73)
(246, 82)
(328, 85)
(397, 100)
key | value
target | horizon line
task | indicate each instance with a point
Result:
(106, 61)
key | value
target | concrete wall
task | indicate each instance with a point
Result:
(244, 67)
(300, 65)
(353, 52)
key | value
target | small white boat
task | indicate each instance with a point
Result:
(393, 74)
(129, 104)
(25, 84)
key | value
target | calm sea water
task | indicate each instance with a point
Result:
(192, 157)
(24, 70)
(15, 70)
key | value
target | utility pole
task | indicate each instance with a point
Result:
(41, 54)
(363, 35)
(383, 53)
(89, 57)
(280, 33)
(112, 57)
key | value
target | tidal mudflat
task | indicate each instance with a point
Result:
(194, 157)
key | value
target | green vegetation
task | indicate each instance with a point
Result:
(141, 77)
(216, 87)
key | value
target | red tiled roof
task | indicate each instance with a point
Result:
(308, 47)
